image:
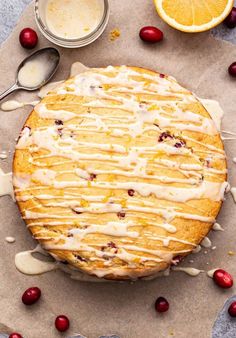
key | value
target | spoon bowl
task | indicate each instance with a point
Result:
(35, 71)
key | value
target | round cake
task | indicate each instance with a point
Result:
(119, 172)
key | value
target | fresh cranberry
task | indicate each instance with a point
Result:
(31, 296)
(223, 279)
(161, 305)
(230, 21)
(15, 335)
(232, 309)
(62, 323)
(28, 38)
(131, 192)
(162, 76)
(232, 69)
(151, 34)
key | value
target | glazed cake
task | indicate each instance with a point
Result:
(119, 172)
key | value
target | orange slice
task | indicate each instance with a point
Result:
(193, 15)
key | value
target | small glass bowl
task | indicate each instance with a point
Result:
(39, 9)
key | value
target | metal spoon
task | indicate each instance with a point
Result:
(48, 56)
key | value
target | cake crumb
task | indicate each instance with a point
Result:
(114, 34)
(231, 253)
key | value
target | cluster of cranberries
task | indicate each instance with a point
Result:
(221, 277)
(230, 22)
(30, 297)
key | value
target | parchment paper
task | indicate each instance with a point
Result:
(200, 63)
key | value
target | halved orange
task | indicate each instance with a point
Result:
(193, 15)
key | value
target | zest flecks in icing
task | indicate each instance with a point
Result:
(130, 164)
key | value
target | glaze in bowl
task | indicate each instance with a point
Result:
(40, 18)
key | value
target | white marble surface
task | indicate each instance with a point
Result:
(10, 11)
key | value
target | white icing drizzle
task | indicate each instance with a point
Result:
(80, 276)
(130, 165)
(166, 214)
(77, 68)
(210, 273)
(211, 190)
(214, 109)
(13, 105)
(10, 239)
(27, 264)
(217, 227)
(48, 88)
(233, 192)
(189, 271)
(6, 187)
(228, 132)
(197, 249)
(206, 242)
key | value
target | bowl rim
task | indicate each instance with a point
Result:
(78, 42)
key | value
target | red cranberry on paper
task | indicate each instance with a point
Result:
(223, 279)
(151, 34)
(31, 296)
(161, 305)
(15, 335)
(28, 38)
(232, 69)
(62, 323)
(230, 21)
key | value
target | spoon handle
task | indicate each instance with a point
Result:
(9, 91)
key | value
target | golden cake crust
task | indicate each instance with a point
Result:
(118, 171)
